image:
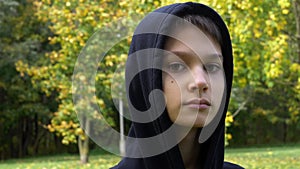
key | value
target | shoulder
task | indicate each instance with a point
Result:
(228, 165)
(129, 163)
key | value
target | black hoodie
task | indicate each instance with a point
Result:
(144, 76)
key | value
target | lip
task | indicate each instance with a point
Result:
(198, 103)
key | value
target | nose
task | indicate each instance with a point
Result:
(199, 80)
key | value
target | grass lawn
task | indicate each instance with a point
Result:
(102, 161)
(281, 157)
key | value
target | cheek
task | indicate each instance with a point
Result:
(217, 90)
(172, 96)
(217, 86)
(170, 88)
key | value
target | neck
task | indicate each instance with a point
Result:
(189, 149)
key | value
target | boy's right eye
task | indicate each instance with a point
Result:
(176, 67)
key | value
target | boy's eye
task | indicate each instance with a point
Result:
(176, 67)
(212, 67)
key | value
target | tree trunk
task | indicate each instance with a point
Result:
(285, 131)
(83, 145)
(296, 5)
(36, 135)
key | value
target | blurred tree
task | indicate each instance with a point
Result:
(72, 23)
(23, 110)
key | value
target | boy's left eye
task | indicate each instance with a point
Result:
(212, 67)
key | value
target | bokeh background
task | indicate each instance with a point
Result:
(40, 41)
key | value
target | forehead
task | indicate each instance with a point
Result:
(190, 36)
(192, 45)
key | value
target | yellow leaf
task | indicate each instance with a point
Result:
(285, 11)
(68, 4)
(229, 136)
(65, 141)
(105, 14)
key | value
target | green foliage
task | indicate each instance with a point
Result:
(72, 23)
(23, 110)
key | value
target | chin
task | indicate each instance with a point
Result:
(199, 124)
(191, 123)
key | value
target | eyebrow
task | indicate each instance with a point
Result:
(188, 54)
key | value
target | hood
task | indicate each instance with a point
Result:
(146, 101)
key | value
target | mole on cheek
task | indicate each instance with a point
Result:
(172, 81)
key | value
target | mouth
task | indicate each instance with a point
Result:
(200, 104)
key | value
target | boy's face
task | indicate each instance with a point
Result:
(193, 80)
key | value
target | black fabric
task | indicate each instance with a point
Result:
(212, 151)
(228, 165)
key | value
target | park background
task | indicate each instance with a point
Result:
(40, 41)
